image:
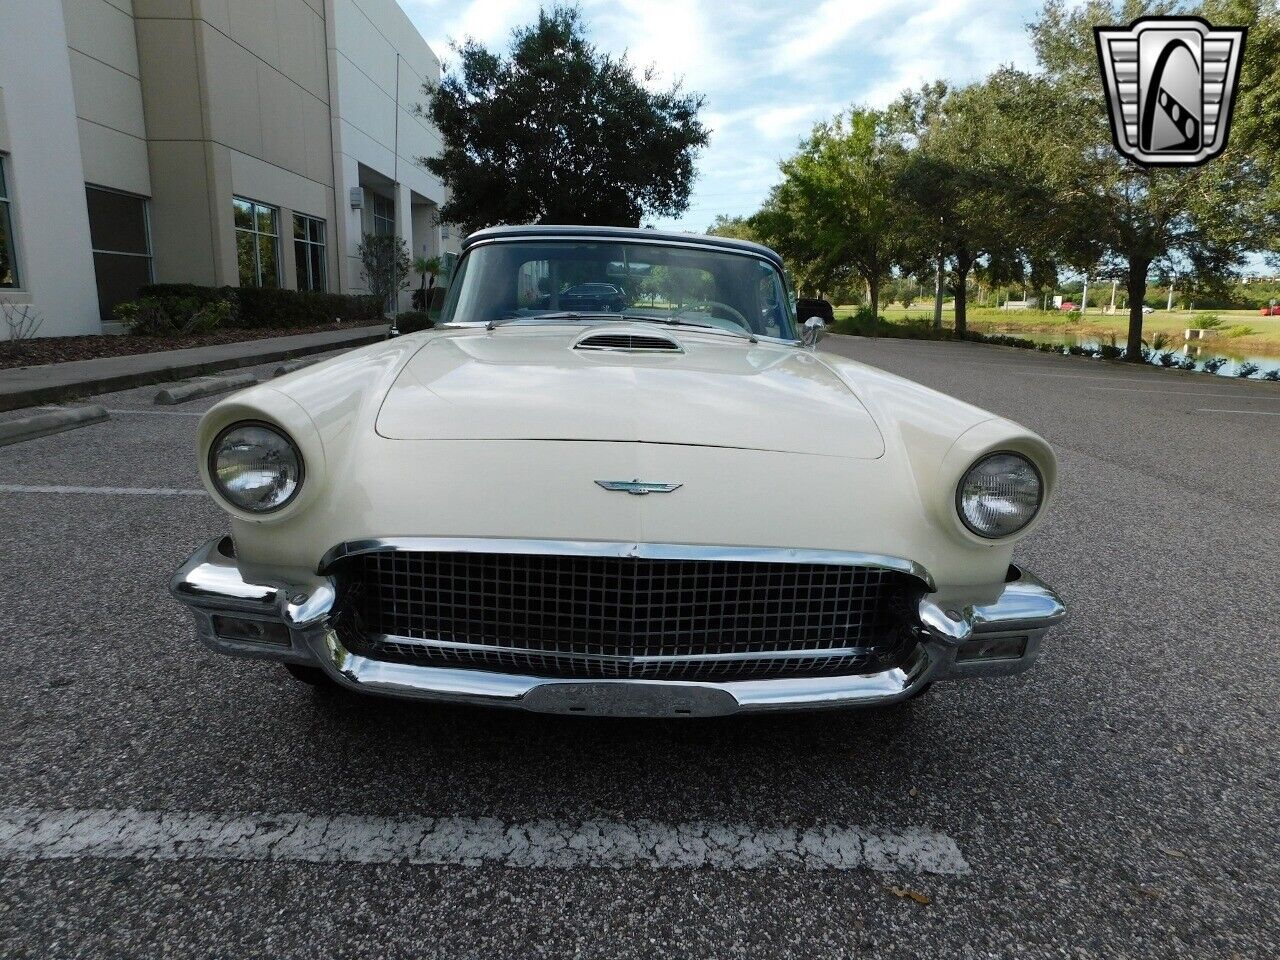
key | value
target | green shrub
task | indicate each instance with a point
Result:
(1272, 374)
(1168, 358)
(1247, 370)
(1187, 363)
(411, 321)
(1213, 364)
(264, 307)
(1206, 321)
(173, 316)
(1239, 330)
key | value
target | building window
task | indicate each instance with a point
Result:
(384, 215)
(257, 243)
(8, 252)
(121, 240)
(308, 252)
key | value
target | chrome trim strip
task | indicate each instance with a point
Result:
(552, 236)
(809, 653)
(630, 697)
(604, 548)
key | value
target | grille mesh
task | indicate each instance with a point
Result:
(627, 341)
(608, 617)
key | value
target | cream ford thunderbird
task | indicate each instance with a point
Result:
(619, 479)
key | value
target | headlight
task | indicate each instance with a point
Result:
(999, 495)
(255, 467)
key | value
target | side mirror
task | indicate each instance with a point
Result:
(813, 330)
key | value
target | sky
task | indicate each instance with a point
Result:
(769, 70)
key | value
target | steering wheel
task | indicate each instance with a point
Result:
(712, 305)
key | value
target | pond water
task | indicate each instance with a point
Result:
(1195, 351)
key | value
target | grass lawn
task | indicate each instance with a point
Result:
(1262, 341)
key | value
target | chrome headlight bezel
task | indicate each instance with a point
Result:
(1002, 534)
(211, 465)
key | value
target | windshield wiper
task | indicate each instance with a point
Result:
(675, 322)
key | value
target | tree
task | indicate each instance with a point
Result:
(558, 132)
(738, 228)
(1114, 212)
(426, 267)
(970, 179)
(837, 211)
(1255, 127)
(384, 265)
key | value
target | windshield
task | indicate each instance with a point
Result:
(699, 287)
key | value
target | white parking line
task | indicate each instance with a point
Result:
(1191, 393)
(27, 834)
(1261, 413)
(107, 491)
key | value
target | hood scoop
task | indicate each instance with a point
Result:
(628, 341)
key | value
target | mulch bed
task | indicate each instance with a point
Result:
(41, 350)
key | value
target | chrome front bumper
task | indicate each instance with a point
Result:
(292, 623)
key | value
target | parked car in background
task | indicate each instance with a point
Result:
(1271, 311)
(1068, 306)
(593, 296)
(671, 511)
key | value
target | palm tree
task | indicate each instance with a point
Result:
(427, 266)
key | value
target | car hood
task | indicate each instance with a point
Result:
(523, 383)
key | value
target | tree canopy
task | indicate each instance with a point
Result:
(838, 210)
(556, 131)
(1014, 178)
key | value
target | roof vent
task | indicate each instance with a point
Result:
(628, 342)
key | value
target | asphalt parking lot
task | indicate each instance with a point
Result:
(1118, 800)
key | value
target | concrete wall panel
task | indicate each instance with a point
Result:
(181, 227)
(106, 96)
(44, 172)
(113, 159)
(235, 104)
(102, 30)
(171, 81)
(254, 27)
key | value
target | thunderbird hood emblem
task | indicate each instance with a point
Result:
(637, 487)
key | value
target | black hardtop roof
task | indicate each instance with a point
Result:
(546, 231)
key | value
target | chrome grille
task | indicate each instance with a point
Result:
(624, 617)
(632, 342)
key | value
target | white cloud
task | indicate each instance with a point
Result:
(823, 30)
(768, 70)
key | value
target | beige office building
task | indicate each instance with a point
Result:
(218, 142)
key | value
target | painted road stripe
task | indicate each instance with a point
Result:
(1191, 393)
(1262, 413)
(539, 844)
(107, 491)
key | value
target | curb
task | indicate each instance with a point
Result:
(170, 372)
(291, 366)
(43, 424)
(203, 387)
